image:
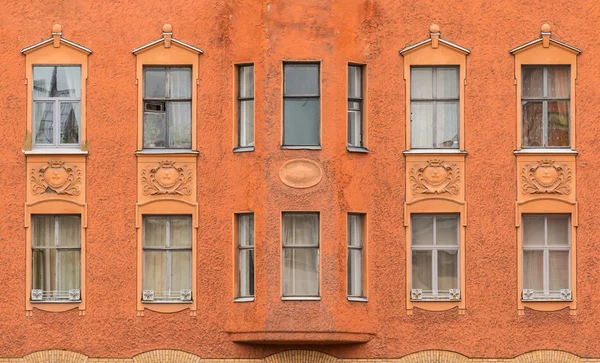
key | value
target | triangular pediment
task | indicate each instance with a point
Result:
(167, 40)
(56, 40)
(545, 40)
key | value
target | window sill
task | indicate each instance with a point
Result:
(427, 300)
(243, 299)
(301, 298)
(545, 151)
(434, 151)
(166, 151)
(35, 302)
(55, 151)
(357, 299)
(303, 147)
(170, 302)
(243, 149)
(356, 149)
(546, 300)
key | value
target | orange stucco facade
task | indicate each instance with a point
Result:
(112, 182)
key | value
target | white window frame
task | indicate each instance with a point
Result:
(361, 221)
(243, 124)
(240, 248)
(358, 142)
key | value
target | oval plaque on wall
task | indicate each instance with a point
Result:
(300, 173)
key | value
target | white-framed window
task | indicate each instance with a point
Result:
(56, 106)
(435, 262)
(56, 262)
(355, 255)
(167, 107)
(167, 258)
(355, 106)
(246, 105)
(546, 256)
(300, 254)
(245, 245)
(301, 104)
(434, 107)
(545, 100)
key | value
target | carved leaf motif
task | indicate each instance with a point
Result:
(546, 177)
(56, 178)
(167, 178)
(436, 177)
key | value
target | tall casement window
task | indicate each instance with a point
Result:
(56, 106)
(546, 257)
(434, 107)
(300, 255)
(167, 107)
(167, 260)
(301, 105)
(355, 106)
(56, 249)
(245, 106)
(435, 257)
(245, 245)
(355, 256)
(545, 100)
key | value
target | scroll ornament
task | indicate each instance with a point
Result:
(546, 177)
(56, 178)
(167, 178)
(436, 177)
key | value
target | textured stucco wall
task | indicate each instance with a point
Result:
(267, 33)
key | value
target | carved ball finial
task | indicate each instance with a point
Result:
(434, 28)
(167, 28)
(546, 28)
(56, 28)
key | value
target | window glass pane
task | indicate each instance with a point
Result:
(301, 271)
(533, 124)
(446, 230)
(246, 273)
(247, 123)
(70, 113)
(355, 233)
(421, 83)
(181, 232)
(59, 81)
(246, 82)
(533, 82)
(421, 124)
(447, 83)
(300, 229)
(181, 270)
(447, 270)
(301, 122)
(354, 82)
(44, 270)
(533, 230)
(155, 82)
(43, 230)
(355, 272)
(301, 79)
(447, 124)
(533, 270)
(246, 230)
(180, 84)
(421, 271)
(354, 125)
(155, 125)
(422, 230)
(558, 82)
(155, 232)
(155, 267)
(69, 274)
(69, 231)
(43, 116)
(558, 123)
(559, 270)
(180, 124)
(558, 230)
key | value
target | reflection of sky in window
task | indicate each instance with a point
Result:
(56, 82)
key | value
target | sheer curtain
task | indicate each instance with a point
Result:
(181, 256)
(246, 105)
(447, 111)
(246, 254)
(155, 261)
(301, 264)
(355, 255)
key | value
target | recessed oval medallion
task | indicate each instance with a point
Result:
(300, 173)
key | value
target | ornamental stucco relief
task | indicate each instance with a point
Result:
(435, 177)
(546, 176)
(167, 178)
(56, 178)
(300, 173)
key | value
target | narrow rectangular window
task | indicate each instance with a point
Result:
(546, 257)
(355, 255)
(545, 100)
(355, 106)
(246, 106)
(56, 249)
(300, 254)
(301, 104)
(167, 108)
(435, 256)
(167, 259)
(245, 246)
(56, 106)
(434, 107)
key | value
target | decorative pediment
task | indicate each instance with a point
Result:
(545, 40)
(434, 42)
(56, 40)
(167, 41)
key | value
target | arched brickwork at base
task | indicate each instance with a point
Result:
(55, 356)
(547, 356)
(300, 356)
(166, 355)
